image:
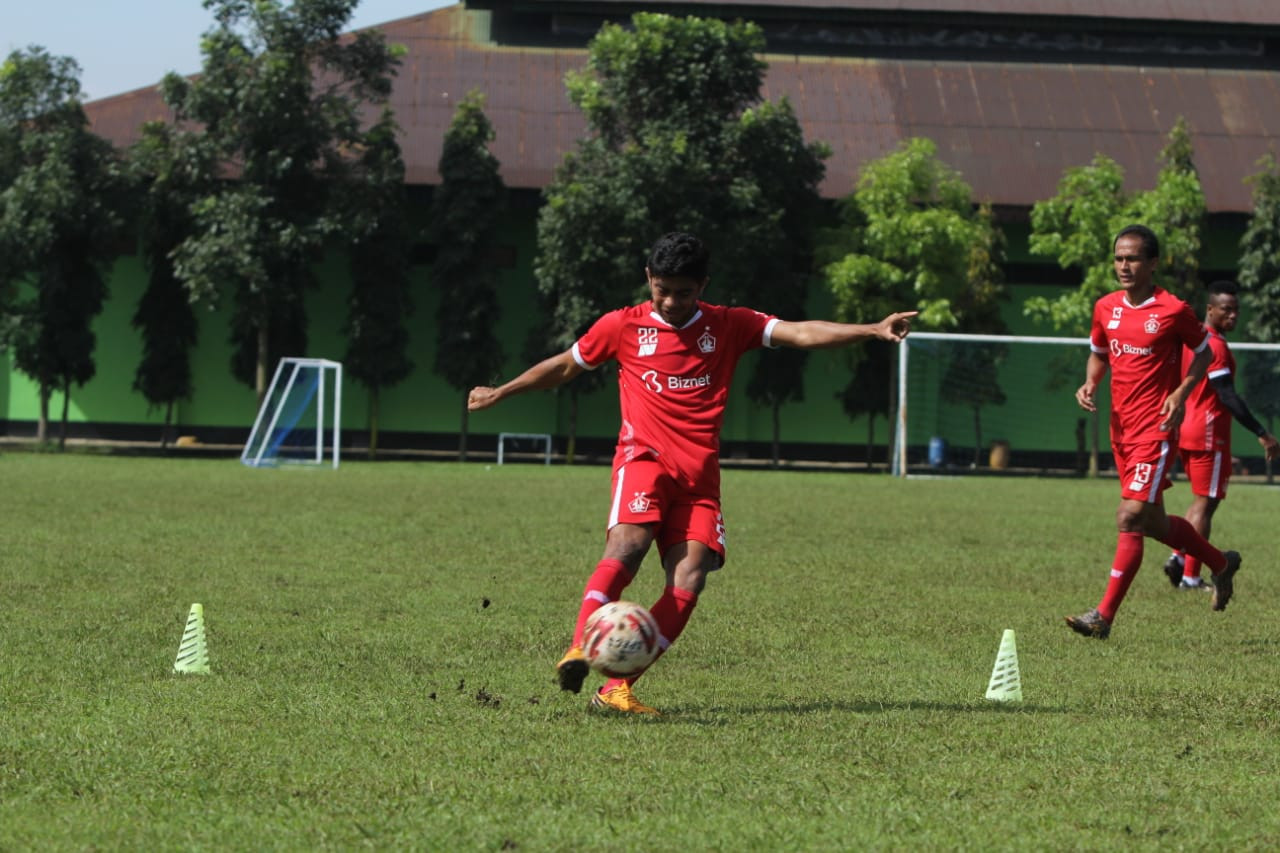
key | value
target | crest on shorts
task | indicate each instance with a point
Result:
(1152, 325)
(707, 343)
(640, 503)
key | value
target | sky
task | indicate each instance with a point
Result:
(123, 45)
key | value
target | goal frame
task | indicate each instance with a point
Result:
(898, 465)
(324, 366)
(898, 456)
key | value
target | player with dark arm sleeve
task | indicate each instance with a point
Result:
(1204, 442)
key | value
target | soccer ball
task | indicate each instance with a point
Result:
(620, 639)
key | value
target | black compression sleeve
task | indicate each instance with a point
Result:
(1236, 405)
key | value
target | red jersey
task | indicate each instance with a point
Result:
(673, 383)
(1143, 345)
(1207, 425)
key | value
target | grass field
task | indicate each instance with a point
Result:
(382, 640)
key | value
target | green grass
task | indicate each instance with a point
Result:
(827, 694)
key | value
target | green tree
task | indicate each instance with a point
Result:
(278, 104)
(169, 181)
(465, 211)
(680, 140)
(61, 196)
(377, 337)
(867, 393)
(1176, 209)
(1260, 278)
(910, 234)
(1077, 226)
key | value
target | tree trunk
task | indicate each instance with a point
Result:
(977, 436)
(871, 437)
(462, 430)
(373, 423)
(168, 419)
(777, 434)
(572, 446)
(260, 371)
(1093, 445)
(66, 405)
(42, 422)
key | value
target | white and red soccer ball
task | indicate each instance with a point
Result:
(620, 639)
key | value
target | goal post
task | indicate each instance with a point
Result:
(977, 392)
(290, 424)
(969, 402)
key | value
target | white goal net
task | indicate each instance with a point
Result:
(305, 394)
(1007, 402)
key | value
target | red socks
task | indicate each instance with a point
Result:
(605, 584)
(671, 612)
(1127, 562)
(1183, 537)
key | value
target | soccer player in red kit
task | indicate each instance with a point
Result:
(1204, 440)
(676, 355)
(1139, 332)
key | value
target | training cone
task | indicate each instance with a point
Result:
(193, 655)
(1006, 684)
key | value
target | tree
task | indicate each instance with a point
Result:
(377, 338)
(1260, 278)
(278, 104)
(867, 393)
(1176, 209)
(680, 140)
(169, 181)
(465, 212)
(910, 234)
(61, 193)
(1076, 227)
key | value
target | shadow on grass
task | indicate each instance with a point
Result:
(721, 714)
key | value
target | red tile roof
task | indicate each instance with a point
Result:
(1010, 128)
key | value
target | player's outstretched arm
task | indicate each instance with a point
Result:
(822, 334)
(548, 373)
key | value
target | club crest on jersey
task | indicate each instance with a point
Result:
(707, 343)
(1152, 325)
(640, 503)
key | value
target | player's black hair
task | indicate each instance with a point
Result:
(679, 254)
(1222, 286)
(1150, 242)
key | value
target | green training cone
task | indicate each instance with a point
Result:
(1006, 684)
(193, 655)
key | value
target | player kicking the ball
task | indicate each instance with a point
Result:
(676, 355)
(1138, 333)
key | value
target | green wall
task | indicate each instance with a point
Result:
(1033, 417)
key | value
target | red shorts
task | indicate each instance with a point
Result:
(644, 493)
(1144, 469)
(1208, 471)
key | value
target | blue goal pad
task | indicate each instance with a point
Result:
(291, 422)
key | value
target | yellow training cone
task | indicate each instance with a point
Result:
(193, 655)
(1006, 684)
